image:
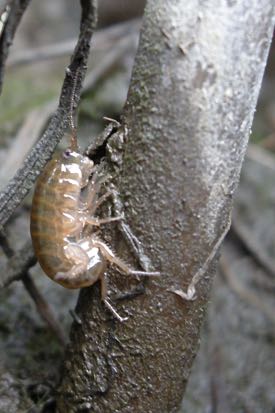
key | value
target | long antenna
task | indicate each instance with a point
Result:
(73, 144)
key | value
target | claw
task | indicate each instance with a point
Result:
(147, 273)
(189, 296)
(114, 312)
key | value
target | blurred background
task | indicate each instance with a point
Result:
(235, 367)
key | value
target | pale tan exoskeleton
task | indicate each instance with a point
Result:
(62, 215)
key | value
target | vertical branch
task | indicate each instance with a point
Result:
(177, 161)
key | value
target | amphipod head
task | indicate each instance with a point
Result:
(74, 159)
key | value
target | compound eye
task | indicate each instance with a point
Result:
(67, 153)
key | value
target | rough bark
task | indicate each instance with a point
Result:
(177, 159)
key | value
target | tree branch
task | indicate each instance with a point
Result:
(20, 185)
(103, 39)
(44, 309)
(18, 264)
(176, 163)
(17, 268)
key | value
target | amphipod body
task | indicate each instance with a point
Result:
(63, 223)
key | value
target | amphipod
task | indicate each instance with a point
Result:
(63, 224)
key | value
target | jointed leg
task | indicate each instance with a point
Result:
(104, 297)
(110, 256)
(91, 191)
(102, 199)
(99, 221)
(91, 202)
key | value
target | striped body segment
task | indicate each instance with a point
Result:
(55, 215)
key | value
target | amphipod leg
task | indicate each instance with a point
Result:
(102, 199)
(80, 259)
(92, 189)
(98, 221)
(110, 256)
(91, 201)
(104, 295)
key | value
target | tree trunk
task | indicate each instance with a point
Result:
(176, 162)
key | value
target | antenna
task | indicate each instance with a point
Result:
(73, 144)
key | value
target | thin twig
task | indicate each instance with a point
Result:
(103, 39)
(16, 10)
(17, 268)
(254, 247)
(20, 185)
(246, 294)
(17, 264)
(110, 60)
(26, 137)
(43, 308)
(218, 389)
(261, 156)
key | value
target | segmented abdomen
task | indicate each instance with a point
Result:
(54, 216)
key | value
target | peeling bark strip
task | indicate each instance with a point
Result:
(178, 156)
(23, 180)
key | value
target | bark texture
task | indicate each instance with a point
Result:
(176, 162)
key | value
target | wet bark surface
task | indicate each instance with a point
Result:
(175, 162)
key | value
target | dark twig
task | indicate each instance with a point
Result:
(17, 8)
(29, 132)
(17, 264)
(254, 247)
(245, 293)
(43, 308)
(220, 402)
(103, 39)
(20, 185)
(17, 268)
(111, 59)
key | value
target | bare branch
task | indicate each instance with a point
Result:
(254, 247)
(17, 265)
(44, 309)
(17, 268)
(19, 186)
(16, 9)
(175, 162)
(26, 137)
(245, 293)
(102, 40)
(110, 60)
